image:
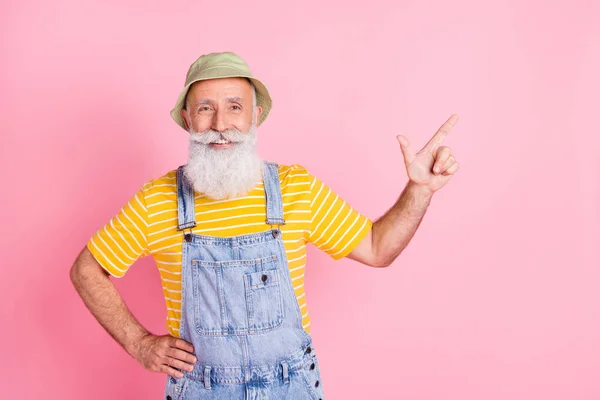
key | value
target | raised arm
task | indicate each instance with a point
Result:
(428, 171)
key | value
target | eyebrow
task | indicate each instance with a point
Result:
(231, 99)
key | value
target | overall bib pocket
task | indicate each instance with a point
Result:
(237, 296)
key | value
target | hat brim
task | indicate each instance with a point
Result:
(263, 99)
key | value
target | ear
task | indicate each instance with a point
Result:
(186, 119)
(259, 110)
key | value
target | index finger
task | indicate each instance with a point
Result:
(436, 140)
(182, 344)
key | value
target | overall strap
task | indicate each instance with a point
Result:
(273, 194)
(186, 213)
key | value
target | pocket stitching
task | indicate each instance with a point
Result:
(250, 289)
(265, 261)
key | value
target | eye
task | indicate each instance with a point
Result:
(236, 107)
(204, 108)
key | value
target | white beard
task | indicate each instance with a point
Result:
(223, 173)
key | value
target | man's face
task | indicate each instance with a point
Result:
(220, 104)
(223, 161)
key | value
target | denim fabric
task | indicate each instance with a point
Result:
(240, 312)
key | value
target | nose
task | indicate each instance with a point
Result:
(218, 123)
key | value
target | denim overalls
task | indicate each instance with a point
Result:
(240, 312)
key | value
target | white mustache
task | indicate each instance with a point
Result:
(209, 136)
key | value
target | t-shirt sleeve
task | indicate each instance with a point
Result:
(336, 227)
(119, 243)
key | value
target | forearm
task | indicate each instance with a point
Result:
(103, 300)
(393, 231)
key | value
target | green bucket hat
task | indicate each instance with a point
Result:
(221, 65)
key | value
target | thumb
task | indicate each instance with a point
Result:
(406, 150)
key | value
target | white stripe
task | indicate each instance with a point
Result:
(162, 221)
(299, 212)
(106, 258)
(288, 252)
(301, 296)
(113, 253)
(163, 239)
(119, 246)
(230, 208)
(286, 171)
(174, 301)
(171, 280)
(330, 224)
(202, 221)
(125, 241)
(326, 214)
(141, 205)
(165, 184)
(230, 200)
(305, 326)
(174, 310)
(298, 287)
(295, 193)
(166, 247)
(163, 202)
(294, 184)
(169, 262)
(170, 228)
(297, 268)
(345, 233)
(174, 192)
(172, 290)
(136, 227)
(322, 203)
(297, 258)
(331, 236)
(169, 272)
(353, 237)
(297, 201)
(128, 231)
(302, 306)
(298, 277)
(162, 212)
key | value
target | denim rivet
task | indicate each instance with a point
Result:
(264, 278)
(317, 384)
(173, 380)
(188, 237)
(308, 350)
(312, 366)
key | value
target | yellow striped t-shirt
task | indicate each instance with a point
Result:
(147, 225)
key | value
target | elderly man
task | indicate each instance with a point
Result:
(228, 232)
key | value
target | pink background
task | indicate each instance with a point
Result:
(497, 295)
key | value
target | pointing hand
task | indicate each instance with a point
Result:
(433, 166)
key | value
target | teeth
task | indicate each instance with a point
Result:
(221, 141)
